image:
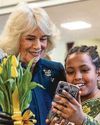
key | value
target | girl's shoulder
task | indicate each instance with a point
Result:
(92, 107)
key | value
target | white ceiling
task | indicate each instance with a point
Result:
(86, 10)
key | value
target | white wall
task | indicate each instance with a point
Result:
(3, 19)
(58, 53)
(93, 42)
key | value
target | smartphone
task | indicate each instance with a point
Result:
(71, 89)
(68, 87)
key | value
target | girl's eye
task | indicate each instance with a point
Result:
(84, 70)
(70, 72)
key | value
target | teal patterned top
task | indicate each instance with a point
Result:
(92, 108)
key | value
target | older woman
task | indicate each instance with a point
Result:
(31, 33)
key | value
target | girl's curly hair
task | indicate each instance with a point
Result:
(90, 50)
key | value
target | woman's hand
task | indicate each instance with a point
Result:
(68, 108)
(5, 119)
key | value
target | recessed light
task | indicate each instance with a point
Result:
(76, 25)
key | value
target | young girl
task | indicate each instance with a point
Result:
(82, 65)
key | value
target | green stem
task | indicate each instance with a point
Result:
(10, 99)
(6, 108)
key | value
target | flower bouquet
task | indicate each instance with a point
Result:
(15, 90)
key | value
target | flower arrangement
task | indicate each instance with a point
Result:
(15, 89)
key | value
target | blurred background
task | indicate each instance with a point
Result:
(64, 11)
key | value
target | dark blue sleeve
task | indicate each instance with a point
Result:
(59, 76)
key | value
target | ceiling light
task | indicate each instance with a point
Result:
(76, 25)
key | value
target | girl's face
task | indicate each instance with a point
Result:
(82, 72)
(33, 45)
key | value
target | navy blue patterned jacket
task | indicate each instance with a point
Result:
(47, 73)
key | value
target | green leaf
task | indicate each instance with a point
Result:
(1, 80)
(26, 79)
(33, 85)
(26, 100)
(20, 73)
(6, 99)
(30, 64)
(11, 83)
(27, 76)
(11, 80)
(2, 102)
(18, 57)
(4, 74)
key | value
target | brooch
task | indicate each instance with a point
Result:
(47, 72)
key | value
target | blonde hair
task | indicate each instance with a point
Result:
(23, 20)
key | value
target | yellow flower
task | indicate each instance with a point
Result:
(28, 118)
(1, 69)
(4, 61)
(14, 61)
(86, 109)
(14, 72)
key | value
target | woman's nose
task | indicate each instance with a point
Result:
(37, 44)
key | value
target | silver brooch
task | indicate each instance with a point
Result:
(47, 72)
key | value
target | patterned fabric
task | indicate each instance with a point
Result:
(92, 108)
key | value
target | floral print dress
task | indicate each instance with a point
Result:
(92, 108)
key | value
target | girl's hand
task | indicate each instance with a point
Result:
(68, 108)
(55, 122)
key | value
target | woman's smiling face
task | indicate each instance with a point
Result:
(33, 45)
(82, 72)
